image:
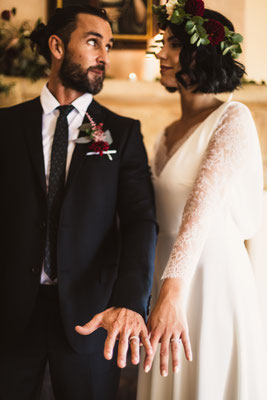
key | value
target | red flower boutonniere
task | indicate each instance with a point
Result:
(99, 141)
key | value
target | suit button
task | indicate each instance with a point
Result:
(36, 270)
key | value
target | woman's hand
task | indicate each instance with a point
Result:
(168, 324)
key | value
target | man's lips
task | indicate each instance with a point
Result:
(96, 71)
(164, 68)
(100, 70)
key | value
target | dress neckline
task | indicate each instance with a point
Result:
(183, 140)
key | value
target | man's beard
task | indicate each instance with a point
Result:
(74, 77)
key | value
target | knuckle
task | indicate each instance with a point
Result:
(115, 325)
(163, 352)
(123, 340)
(156, 332)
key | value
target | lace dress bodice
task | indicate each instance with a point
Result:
(230, 153)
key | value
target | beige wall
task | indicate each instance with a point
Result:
(256, 34)
(26, 9)
(248, 17)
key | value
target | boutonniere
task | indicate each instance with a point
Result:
(99, 141)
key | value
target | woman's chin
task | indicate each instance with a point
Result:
(169, 84)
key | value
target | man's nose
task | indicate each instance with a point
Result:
(103, 57)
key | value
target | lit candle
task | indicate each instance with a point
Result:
(132, 77)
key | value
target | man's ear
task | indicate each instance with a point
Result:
(56, 47)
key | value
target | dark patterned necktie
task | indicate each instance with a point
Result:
(56, 189)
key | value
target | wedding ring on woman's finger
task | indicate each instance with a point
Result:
(176, 340)
(134, 338)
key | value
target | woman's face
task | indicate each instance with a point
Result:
(169, 59)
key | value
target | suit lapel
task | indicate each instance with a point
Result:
(32, 126)
(80, 150)
(33, 132)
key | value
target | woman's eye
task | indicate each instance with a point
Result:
(175, 45)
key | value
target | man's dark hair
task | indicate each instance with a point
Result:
(205, 66)
(62, 24)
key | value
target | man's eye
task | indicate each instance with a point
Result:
(92, 42)
(108, 47)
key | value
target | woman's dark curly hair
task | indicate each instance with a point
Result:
(62, 24)
(205, 66)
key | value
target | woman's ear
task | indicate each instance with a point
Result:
(56, 47)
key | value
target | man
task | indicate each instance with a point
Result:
(79, 227)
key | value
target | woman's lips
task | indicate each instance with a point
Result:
(164, 68)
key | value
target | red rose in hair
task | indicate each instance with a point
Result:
(99, 147)
(195, 7)
(215, 30)
(6, 15)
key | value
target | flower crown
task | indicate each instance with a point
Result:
(203, 31)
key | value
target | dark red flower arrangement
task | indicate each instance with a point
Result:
(6, 14)
(195, 7)
(215, 30)
(100, 147)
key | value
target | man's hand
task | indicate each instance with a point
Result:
(121, 324)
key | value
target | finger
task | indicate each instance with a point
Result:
(149, 355)
(91, 326)
(135, 348)
(109, 344)
(146, 342)
(175, 344)
(154, 340)
(187, 345)
(164, 355)
(122, 350)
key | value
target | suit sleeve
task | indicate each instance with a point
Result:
(138, 228)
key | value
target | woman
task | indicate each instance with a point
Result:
(208, 184)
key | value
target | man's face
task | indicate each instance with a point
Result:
(87, 55)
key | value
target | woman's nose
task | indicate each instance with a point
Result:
(161, 54)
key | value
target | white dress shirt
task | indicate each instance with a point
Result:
(50, 114)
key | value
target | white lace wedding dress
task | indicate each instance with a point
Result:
(209, 200)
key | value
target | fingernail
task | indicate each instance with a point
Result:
(164, 373)
(147, 368)
(176, 369)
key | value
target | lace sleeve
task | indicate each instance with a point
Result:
(225, 157)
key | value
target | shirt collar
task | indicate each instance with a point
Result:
(49, 102)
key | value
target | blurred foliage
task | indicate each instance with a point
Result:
(16, 55)
(246, 81)
(5, 88)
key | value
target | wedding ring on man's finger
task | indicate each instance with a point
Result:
(134, 338)
(176, 340)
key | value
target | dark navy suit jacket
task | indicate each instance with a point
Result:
(107, 228)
